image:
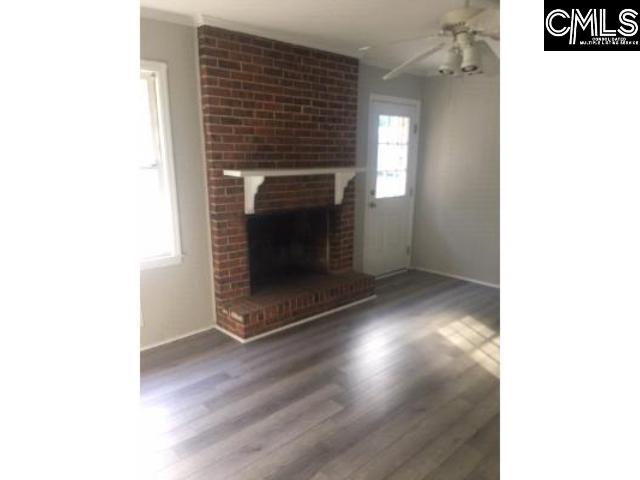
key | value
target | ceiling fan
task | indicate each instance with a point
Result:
(462, 31)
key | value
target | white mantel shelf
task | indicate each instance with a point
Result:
(253, 178)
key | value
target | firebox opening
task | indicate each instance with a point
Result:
(283, 246)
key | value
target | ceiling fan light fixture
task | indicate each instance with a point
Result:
(452, 62)
(470, 59)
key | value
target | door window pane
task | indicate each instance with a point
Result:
(393, 152)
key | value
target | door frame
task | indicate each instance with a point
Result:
(371, 174)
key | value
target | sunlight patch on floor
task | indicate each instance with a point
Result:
(479, 341)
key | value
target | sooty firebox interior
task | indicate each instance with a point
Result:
(283, 246)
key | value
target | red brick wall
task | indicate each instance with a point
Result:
(268, 104)
(288, 193)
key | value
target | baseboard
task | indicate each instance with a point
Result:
(392, 274)
(458, 277)
(294, 324)
(179, 337)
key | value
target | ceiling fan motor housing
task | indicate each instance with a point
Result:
(455, 21)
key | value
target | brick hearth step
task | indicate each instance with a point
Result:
(293, 300)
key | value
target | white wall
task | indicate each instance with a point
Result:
(457, 224)
(177, 300)
(370, 82)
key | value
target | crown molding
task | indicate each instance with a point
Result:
(273, 35)
(201, 19)
(165, 16)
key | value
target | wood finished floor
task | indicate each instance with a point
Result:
(403, 387)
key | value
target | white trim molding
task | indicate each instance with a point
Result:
(301, 40)
(294, 324)
(391, 274)
(176, 338)
(165, 16)
(376, 97)
(458, 277)
(262, 335)
(159, 262)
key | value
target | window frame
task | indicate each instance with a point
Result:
(166, 165)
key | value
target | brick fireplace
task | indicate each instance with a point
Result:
(283, 244)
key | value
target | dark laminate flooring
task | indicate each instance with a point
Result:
(403, 387)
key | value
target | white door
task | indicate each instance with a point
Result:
(391, 176)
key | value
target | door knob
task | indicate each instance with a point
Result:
(372, 205)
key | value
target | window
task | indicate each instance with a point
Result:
(159, 236)
(393, 153)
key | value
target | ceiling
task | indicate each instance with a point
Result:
(336, 25)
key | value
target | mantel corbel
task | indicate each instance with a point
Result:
(253, 178)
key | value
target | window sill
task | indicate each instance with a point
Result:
(159, 262)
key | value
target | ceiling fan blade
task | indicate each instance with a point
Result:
(366, 48)
(419, 56)
(487, 22)
(493, 44)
